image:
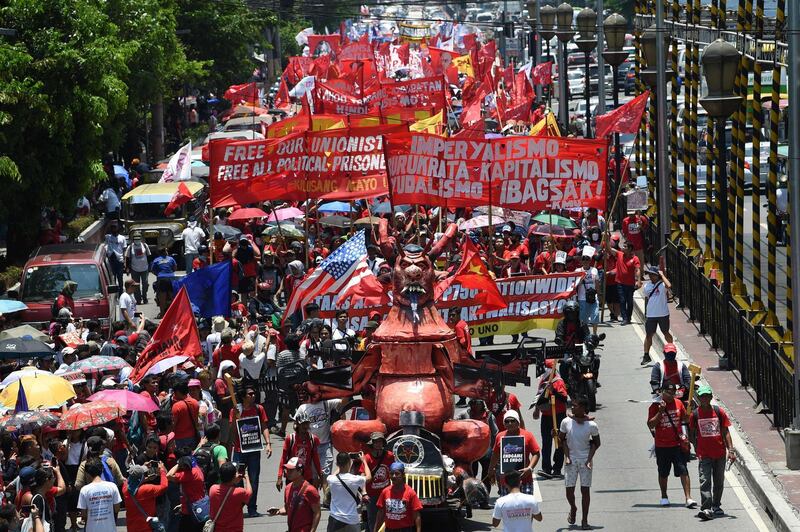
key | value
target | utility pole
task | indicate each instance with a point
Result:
(793, 59)
(601, 62)
(662, 161)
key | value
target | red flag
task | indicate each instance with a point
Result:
(473, 274)
(403, 53)
(282, 98)
(176, 335)
(520, 111)
(181, 196)
(508, 78)
(522, 88)
(623, 119)
(472, 109)
(470, 42)
(542, 73)
(245, 93)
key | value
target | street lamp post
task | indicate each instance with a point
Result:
(586, 23)
(564, 33)
(614, 31)
(547, 19)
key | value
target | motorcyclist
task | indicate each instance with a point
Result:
(671, 371)
(570, 331)
(262, 306)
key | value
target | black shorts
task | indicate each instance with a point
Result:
(671, 457)
(612, 296)
(651, 324)
(163, 284)
(247, 284)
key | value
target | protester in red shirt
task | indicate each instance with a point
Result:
(461, 329)
(226, 499)
(192, 488)
(398, 504)
(709, 428)
(250, 409)
(511, 420)
(666, 419)
(556, 388)
(301, 445)
(501, 403)
(378, 459)
(140, 497)
(150, 390)
(612, 295)
(185, 410)
(633, 229)
(543, 263)
(515, 266)
(300, 500)
(227, 350)
(627, 274)
(64, 299)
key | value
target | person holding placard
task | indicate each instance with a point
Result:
(250, 420)
(513, 449)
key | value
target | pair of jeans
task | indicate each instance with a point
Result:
(325, 452)
(253, 462)
(557, 462)
(712, 481)
(188, 259)
(625, 292)
(372, 513)
(141, 291)
(117, 268)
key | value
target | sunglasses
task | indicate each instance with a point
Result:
(250, 393)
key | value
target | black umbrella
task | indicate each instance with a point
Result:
(23, 348)
(228, 232)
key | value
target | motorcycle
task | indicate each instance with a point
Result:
(581, 370)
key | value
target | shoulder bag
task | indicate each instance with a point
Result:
(684, 441)
(211, 523)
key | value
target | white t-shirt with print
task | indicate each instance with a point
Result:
(579, 437)
(99, 499)
(128, 302)
(343, 505)
(319, 414)
(516, 511)
(657, 299)
(589, 281)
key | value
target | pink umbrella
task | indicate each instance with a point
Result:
(127, 400)
(247, 213)
(285, 214)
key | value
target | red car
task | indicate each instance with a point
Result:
(49, 267)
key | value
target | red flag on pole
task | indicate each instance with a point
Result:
(181, 196)
(175, 336)
(623, 119)
(542, 73)
(473, 274)
(246, 93)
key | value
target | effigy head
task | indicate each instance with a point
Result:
(413, 277)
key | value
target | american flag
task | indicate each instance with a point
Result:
(333, 273)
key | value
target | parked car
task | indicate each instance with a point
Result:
(49, 267)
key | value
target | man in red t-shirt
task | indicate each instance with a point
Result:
(230, 517)
(708, 426)
(398, 504)
(665, 418)
(501, 403)
(627, 275)
(227, 350)
(543, 263)
(252, 459)
(558, 390)
(185, 410)
(378, 459)
(531, 454)
(301, 445)
(633, 228)
(300, 500)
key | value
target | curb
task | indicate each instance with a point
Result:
(759, 481)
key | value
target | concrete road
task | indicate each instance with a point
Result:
(625, 493)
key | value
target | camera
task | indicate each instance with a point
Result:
(241, 468)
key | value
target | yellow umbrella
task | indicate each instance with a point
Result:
(41, 391)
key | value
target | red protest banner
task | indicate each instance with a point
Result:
(328, 99)
(533, 302)
(414, 93)
(341, 164)
(357, 51)
(523, 173)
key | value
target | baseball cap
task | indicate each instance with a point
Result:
(670, 348)
(194, 382)
(293, 463)
(511, 414)
(131, 282)
(704, 389)
(372, 325)
(376, 436)
(26, 475)
(506, 228)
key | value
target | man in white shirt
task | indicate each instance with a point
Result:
(193, 237)
(137, 260)
(580, 439)
(346, 490)
(127, 305)
(516, 510)
(112, 204)
(99, 500)
(115, 251)
(656, 309)
(373, 260)
(319, 414)
(341, 332)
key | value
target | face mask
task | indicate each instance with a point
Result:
(670, 356)
(595, 237)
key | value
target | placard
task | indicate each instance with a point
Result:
(250, 434)
(512, 454)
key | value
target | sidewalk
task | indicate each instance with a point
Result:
(760, 447)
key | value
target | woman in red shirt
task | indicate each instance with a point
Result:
(250, 409)
(227, 499)
(193, 488)
(140, 496)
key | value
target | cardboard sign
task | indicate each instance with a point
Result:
(512, 454)
(250, 434)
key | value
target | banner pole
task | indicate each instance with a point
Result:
(280, 230)
(210, 233)
(606, 238)
(305, 220)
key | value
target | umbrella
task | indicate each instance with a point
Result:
(22, 331)
(127, 400)
(335, 206)
(7, 306)
(555, 219)
(98, 363)
(92, 414)
(480, 221)
(167, 363)
(41, 391)
(551, 230)
(335, 220)
(287, 230)
(27, 371)
(383, 207)
(368, 220)
(228, 232)
(23, 348)
(29, 420)
(247, 214)
(285, 214)
(119, 171)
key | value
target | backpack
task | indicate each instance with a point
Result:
(680, 367)
(106, 474)
(207, 463)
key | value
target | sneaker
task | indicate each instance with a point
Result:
(545, 474)
(646, 359)
(253, 514)
(705, 515)
(274, 430)
(664, 502)
(625, 322)
(718, 511)
(558, 475)
(691, 503)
